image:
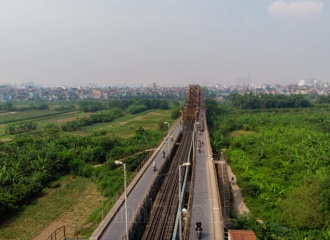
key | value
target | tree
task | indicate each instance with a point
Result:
(164, 105)
(7, 106)
(323, 99)
(134, 109)
(175, 114)
(325, 198)
(52, 130)
(301, 209)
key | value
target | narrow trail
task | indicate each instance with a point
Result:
(238, 201)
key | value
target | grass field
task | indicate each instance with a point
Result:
(123, 126)
(126, 125)
(42, 117)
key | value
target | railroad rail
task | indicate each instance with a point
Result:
(164, 210)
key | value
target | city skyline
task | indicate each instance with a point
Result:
(172, 43)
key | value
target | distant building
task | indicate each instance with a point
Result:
(28, 84)
(96, 93)
(302, 82)
(310, 82)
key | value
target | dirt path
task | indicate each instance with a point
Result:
(238, 202)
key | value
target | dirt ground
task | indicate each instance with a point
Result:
(6, 139)
(238, 202)
(89, 201)
(63, 120)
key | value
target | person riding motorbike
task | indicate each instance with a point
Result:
(154, 166)
(171, 138)
(198, 227)
(163, 153)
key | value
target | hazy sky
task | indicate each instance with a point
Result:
(169, 42)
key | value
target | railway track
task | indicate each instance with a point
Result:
(163, 213)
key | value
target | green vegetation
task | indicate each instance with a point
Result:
(323, 99)
(30, 161)
(54, 144)
(9, 106)
(281, 161)
(74, 125)
(251, 101)
(90, 106)
(21, 127)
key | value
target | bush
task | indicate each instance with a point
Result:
(134, 109)
(134, 161)
(175, 114)
(54, 184)
(250, 189)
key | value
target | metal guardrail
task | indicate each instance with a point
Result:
(55, 234)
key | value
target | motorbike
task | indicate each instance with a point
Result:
(163, 154)
(198, 233)
(198, 229)
(154, 166)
